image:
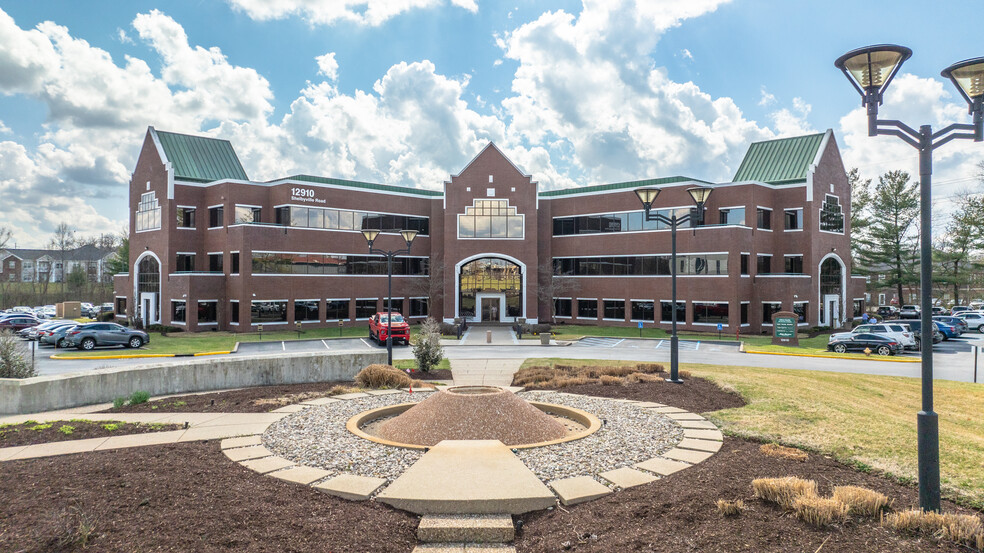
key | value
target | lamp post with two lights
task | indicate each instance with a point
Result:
(408, 236)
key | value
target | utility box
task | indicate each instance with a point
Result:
(68, 310)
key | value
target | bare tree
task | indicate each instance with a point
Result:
(552, 286)
(431, 287)
(63, 241)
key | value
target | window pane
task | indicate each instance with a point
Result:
(316, 218)
(298, 216)
(345, 219)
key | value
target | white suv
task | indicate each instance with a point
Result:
(974, 319)
(896, 331)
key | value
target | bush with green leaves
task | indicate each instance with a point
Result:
(138, 397)
(13, 357)
(428, 351)
(119, 402)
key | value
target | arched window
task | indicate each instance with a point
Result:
(490, 275)
(149, 279)
(830, 277)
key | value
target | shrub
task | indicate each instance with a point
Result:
(106, 317)
(783, 491)
(13, 358)
(535, 329)
(66, 429)
(448, 329)
(650, 368)
(427, 350)
(119, 402)
(138, 397)
(111, 426)
(819, 511)
(163, 329)
(382, 376)
(783, 452)
(609, 380)
(861, 501)
(730, 508)
(338, 390)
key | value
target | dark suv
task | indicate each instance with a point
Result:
(916, 326)
(90, 335)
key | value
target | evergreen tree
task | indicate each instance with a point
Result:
(954, 255)
(860, 210)
(120, 263)
(890, 244)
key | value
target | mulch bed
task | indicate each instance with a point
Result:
(246, 400)
(696, 395)
(183, 497)
(40, 433)
(678, 513)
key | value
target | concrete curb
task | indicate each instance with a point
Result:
(818, 356)
(66, 357)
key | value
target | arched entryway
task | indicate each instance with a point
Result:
(490, 289)
(147, 289)
(832, 291)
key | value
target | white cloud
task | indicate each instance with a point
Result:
(687, 54)
(123, 37)
(327, 66)
(767, 98)
(4, 129)
(792, 122)
(329, 12)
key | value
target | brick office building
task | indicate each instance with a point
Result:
(211, 249)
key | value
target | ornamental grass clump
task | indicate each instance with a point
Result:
(862, 501)
(965, 530)
(783, 491)
(783, 452)
(650, 368)
(609, 380)
(819, 511)
(382, 376)
(730, 508)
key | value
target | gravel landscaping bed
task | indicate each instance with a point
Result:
(33, 432)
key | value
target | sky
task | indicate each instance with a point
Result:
(406, 92)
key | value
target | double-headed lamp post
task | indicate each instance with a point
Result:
(870, 70)
(408, 236)
(647, 196)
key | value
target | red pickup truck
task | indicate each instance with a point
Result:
(378, 328)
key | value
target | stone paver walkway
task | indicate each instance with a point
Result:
(484, 372)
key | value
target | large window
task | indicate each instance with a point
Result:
(764, 218)
(491, 219)
(215, 262)
(793, 219)
(831, 215)
(794, 264)
(587, 309)
(638, 265)
(247, 214)
(619, 222)
(148, 212)
(186, 217)
(563, 307)
(306, 310)
(336, 310)
(335, 264)
(185, 263)
(768, 309)
(179, 312)
(764, 265)
(710, 312)
(643, 311)
(149, 280)
(268, 312)
(614, 309)
(490, 275)
(418, 307)
(733, 216)
(345, 219)
(208, 311)
(215, 216)
(666, 311)
(365, 309)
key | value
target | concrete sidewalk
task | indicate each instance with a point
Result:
(487, 372)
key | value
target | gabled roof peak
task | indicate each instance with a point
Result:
(492, 145)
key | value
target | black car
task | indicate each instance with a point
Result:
(882, 345)
(887, 312)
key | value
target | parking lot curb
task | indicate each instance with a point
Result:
(878, 358)
(65, 357)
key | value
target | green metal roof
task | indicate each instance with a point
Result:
(618, 185)
(201, 159)
(781, 161)
(367, 185)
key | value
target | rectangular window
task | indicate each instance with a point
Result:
(563, 307)
(764, 265)
(234, 312)
(365, 309)
(215, 262)
(881, 299)
(306, 310)
(831, 215)
(333, 264)
(185, 263)
(666, 311)
(794, 264)
(186, 217)
(800, 308)
(744, 263)
(643, 311)
(858, 307)
(208, 312)
(418, 307)
(793, 219)
(235, 262)
(710, 313)
(744, 313)
(148, 216)
(247, 214)
(587, 309)
(215, 217)
(337, 310)
(268, 312)
(282, 216)
(614, 309)
(733, 216)
(764, 218)
(768, 309)
(121, 306)
(178, 312)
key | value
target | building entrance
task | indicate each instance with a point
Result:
(490, 289)
(491, 307)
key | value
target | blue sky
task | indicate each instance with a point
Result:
(406, 92)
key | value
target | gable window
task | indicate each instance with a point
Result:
(491, 219)
(764, 218)
(186, 217)
(793, 219)
(148, 212)
(831, 215)
(215, 216)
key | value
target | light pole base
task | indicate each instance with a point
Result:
(677, 381)
(928, 439)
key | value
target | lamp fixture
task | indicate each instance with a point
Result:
(408, 236)
(647, 196)
(871, 69)
(700, 194)
(370, 235)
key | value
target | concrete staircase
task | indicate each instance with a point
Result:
(465, 533)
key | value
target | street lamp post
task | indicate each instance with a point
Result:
(870, 70)
(408, 236)
(647, 196)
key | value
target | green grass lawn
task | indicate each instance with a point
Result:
(865, 420)
(404, 364)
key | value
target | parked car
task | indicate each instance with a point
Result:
(89, 310)
(909, 312)
(973, 319)
(56, 336)
(379, 328)
(957, 322)
(898, 332)
(90, 335)
(882, 345)
(939, 310)
(18, 323)
(887, 311)
(34, 332)
(106, 308)
(948, 330)
(916, 326)
(958, 308)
